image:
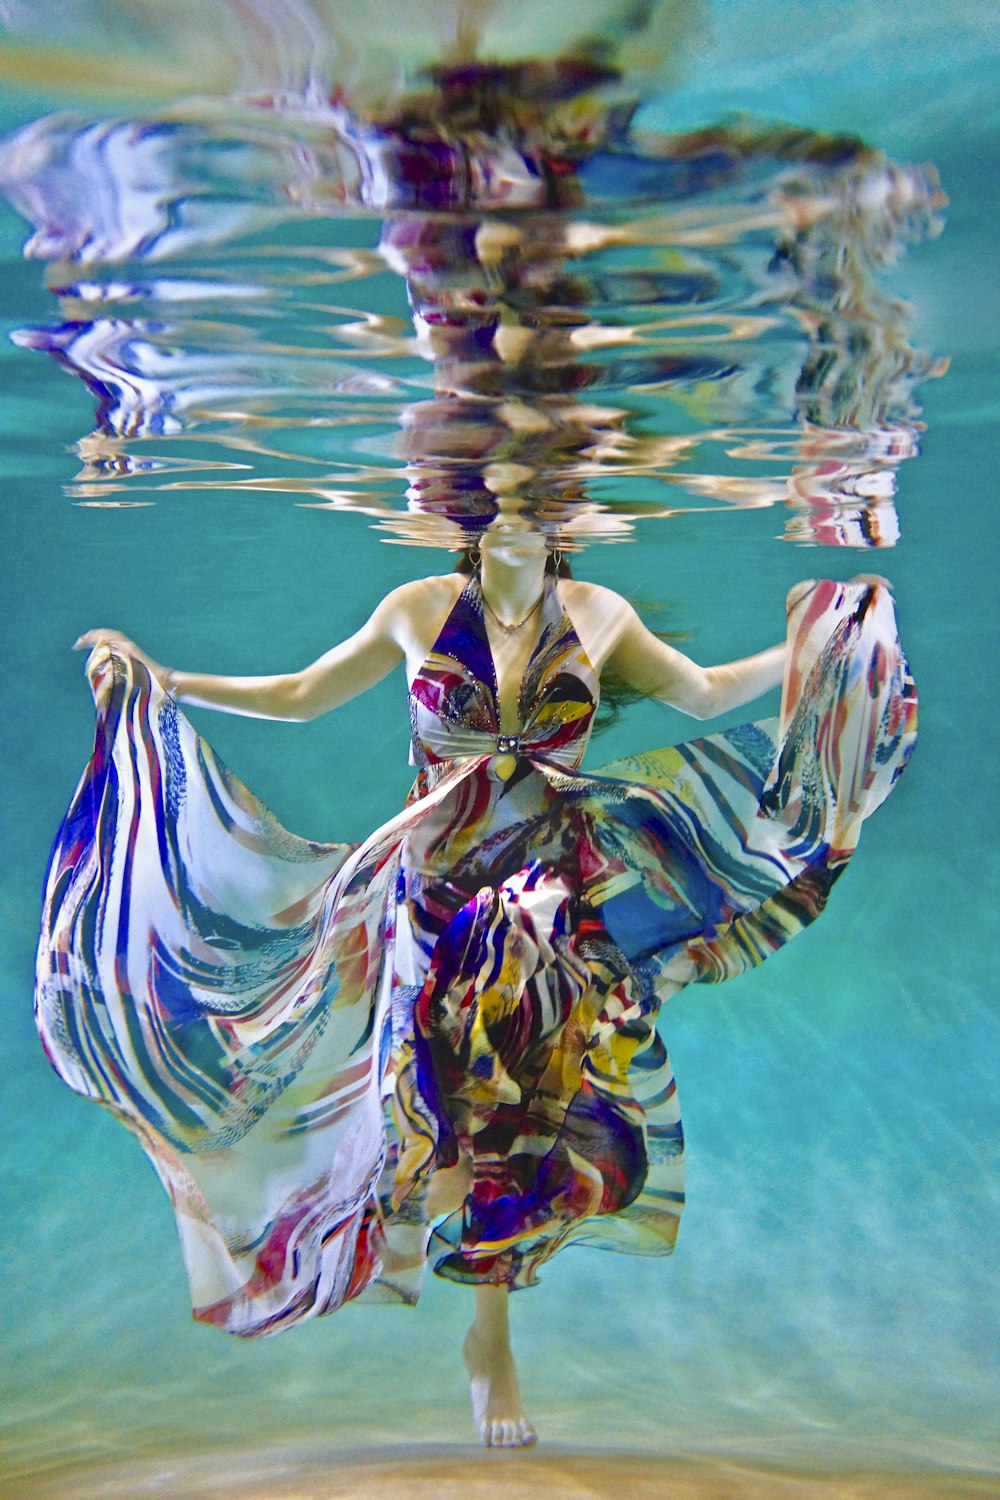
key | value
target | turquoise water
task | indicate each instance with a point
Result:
(833, 1298)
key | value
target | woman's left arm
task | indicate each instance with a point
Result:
(660, 671)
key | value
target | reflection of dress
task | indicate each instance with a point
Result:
(300, 1033)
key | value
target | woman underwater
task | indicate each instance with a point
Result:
(440, 1045)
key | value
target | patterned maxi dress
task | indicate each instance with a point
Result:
(299, 1034)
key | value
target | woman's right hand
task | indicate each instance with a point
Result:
(117, 640)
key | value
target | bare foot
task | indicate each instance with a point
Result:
(496, 1396)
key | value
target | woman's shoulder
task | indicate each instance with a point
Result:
(594, 599)
(599, 615)
(412, 613)
(422, 594)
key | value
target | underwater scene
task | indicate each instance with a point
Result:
(302, 302)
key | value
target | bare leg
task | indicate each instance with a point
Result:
(448, 1188)
(496, 1396)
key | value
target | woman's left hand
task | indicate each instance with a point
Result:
(874, 580)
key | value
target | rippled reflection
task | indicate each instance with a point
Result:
(490, 288)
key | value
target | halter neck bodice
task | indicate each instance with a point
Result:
(455, 701)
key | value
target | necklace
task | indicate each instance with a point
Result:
(516, 625)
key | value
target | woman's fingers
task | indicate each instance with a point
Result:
(123, 645)
(798, 591)
(91, 638)
(874, 580)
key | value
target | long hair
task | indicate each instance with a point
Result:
(556, 565)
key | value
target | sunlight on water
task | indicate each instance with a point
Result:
(306, 308)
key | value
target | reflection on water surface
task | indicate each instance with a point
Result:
(469, 295)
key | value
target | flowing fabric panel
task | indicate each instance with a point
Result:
(729, 845)
(214, 981)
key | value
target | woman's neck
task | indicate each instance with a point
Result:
(511, 588)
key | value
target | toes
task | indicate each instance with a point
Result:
(516, 1433)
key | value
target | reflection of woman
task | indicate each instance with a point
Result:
(441, 1045)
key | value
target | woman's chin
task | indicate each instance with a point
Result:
(516, 547)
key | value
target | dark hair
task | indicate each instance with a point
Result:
(555, 564)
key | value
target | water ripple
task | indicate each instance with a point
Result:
(423, 323)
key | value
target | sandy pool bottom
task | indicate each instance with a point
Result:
(423, 1473)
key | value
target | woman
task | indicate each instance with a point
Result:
(441, 1045)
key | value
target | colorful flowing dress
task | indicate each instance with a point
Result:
(300, 1034)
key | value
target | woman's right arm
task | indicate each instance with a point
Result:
(334, 678)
